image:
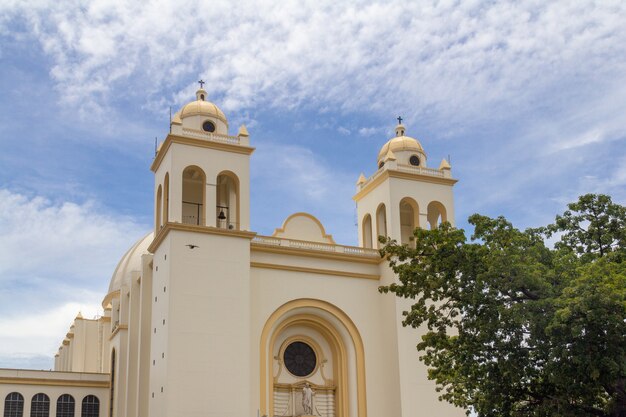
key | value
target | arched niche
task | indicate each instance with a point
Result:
(436, 214)
(381, 221)
(166, 198)
(194, 200)
(157, 213)
(227, 200)
(409, 219)
(334, 338)
(366, 230)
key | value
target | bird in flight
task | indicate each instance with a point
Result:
(190, 246)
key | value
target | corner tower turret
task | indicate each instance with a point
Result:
(202, 174)
(403, 193)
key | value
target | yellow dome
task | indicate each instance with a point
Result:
(400, 143)
(201, 107)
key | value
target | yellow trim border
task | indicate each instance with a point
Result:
(202, 143)
(54, 382)
(211, 230)
(311, 253)
(319, 271)
(390, 173)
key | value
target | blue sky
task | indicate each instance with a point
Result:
(528, 99)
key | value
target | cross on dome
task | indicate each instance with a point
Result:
(399, 120)
(201, 82)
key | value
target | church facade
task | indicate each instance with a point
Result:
(206, 318)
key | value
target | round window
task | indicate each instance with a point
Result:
(300, 359)
(414, 160)
(208, 126)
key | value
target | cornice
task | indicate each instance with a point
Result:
(202, 143)
(210, 230)
(391, 173)
(54, 382)
(333, 272)
(311, 253)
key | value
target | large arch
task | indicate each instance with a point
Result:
(366, 231)
(227, 200)
(409, 219)
(194, 196)
(346, 346)
(381, 221)
(436, 214)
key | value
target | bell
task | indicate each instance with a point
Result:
(221, 216)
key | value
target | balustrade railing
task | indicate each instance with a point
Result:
(317, 246)
(217, 137)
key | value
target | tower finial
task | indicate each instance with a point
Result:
(201, 82)
(399, 120)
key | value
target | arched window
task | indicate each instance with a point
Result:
(166, 198)
(367, 231)
(194, 182)
(91, 407)
(381, 221)
(112, 389)
(14, 405)
(227, 199)
(157, 213)
(409, 219)
(65, 406)
(40, 406)
(436, 214)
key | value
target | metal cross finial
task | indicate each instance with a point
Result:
(201, 82)
(399, 120)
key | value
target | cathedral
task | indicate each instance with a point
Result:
(206, 318)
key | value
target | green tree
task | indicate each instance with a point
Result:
(514, 327)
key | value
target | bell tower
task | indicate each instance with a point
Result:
(403, 193)
(200, 289)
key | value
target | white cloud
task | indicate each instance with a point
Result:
(460, 58)
(343, 130)
(28, 334)
(78, 241)
(369, 131)
(56, 259)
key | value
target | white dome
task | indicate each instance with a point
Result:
(131, 261)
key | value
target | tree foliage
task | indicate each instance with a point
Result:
(514, 327)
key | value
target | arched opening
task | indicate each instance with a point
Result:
(112, 383)
(227, 200)
(381, 222)
(194, 181)
(409, 219)
(40, 405)
(332, 361)
(166, 198)
(436, 214)
(366, 231)
(91, 407)
(65, 406)
(157, 212)
(14, 405)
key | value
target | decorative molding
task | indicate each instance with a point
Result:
(315, 254)
(54, 382)
(117, 330)
(332, 272)
(202, 143)
(390, 173)
(211, 230)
